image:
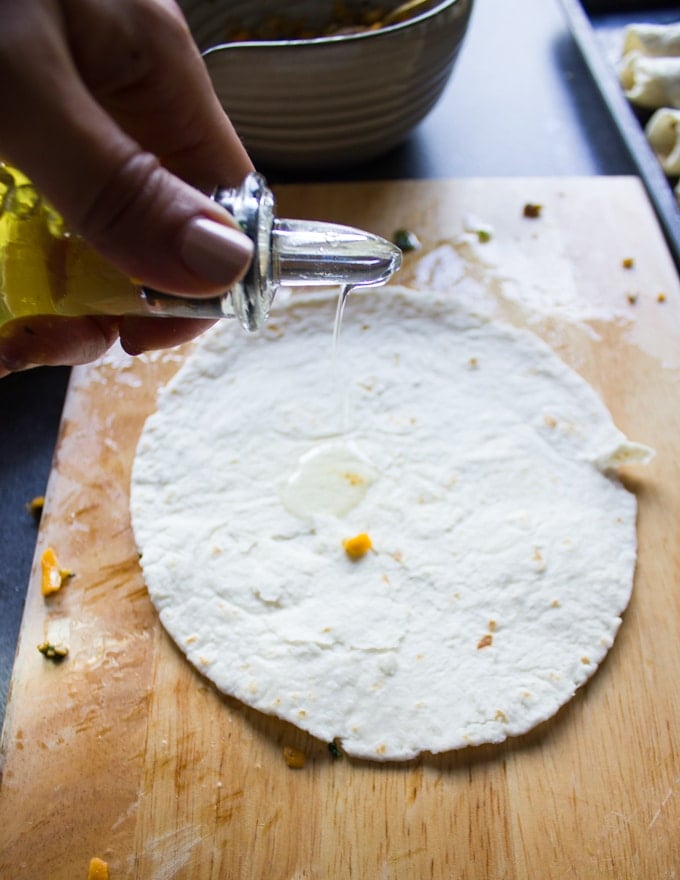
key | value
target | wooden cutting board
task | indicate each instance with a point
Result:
(124, 752)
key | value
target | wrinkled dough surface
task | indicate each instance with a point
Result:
(503, 553)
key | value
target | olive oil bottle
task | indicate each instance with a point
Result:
(47, 270)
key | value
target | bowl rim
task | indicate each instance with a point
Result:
(437, 9)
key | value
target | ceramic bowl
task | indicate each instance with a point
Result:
(309, 101)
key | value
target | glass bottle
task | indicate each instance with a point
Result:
(46, 270)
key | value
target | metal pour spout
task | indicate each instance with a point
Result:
(293, 253)
(288, 253)
(308, 253)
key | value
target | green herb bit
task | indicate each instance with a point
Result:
(334, 749)
(406, 240)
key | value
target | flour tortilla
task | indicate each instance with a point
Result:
(503, 552)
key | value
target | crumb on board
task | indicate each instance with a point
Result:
(628, 263)
(294, 758)
(53, 652)
(35, 507)
(632, 298)
(98, 869)
(357, 546)
(485, 642)
(532, 210)
(661, 297)
(52, 575)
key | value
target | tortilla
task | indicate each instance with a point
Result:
(478, 464)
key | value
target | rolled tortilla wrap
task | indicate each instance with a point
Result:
(651, 82)
(658, 40)
(663, 134)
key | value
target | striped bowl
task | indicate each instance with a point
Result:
(326, 101)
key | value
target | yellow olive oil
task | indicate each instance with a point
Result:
(44, 268)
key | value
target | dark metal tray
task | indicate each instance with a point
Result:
(597, 27)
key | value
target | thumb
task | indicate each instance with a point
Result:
(147, 221)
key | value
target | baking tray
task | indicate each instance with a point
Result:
(597, 27)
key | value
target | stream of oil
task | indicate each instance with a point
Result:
(340, 392)
(333, 476)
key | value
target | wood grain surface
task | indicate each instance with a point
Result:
(123, 751)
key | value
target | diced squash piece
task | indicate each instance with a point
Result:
(52, 574)
(357, 546)
(98, 870)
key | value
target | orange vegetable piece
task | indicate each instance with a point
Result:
(98, 870)
(35, 506)
(52, 574)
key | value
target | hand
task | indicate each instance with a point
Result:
(108, 108)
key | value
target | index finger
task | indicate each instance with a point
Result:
(156, 86)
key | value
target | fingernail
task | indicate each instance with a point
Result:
(216, 252)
